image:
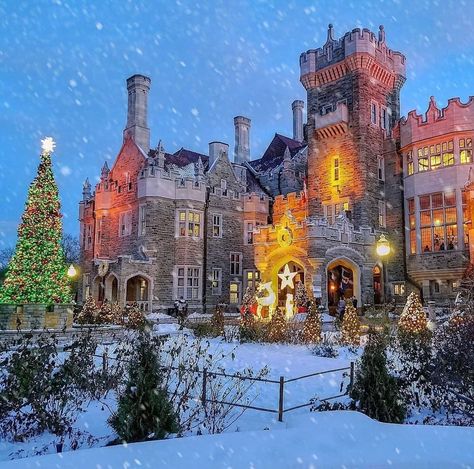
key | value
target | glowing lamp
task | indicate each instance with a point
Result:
(71, 271)
(383, 246)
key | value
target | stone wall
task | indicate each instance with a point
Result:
(35, 316)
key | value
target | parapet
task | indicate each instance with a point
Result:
(455, 117)
(336, 54)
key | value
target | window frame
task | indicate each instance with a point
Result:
(186, 223)
(218, 225)
(216, 281)
(182, 288)
(235, 263)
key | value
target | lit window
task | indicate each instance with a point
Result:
(435, 156)
(399, 289)
(465, 150)
(410, 165)
(189, 223)
(235, 263)
(423, 161)
(448, 153)
(251, 277)
(234, 293)
(336, 169)
(217, 225)
(216, 282)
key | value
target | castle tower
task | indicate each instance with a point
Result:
(297, 106)
(242, 139)
(353, 86)
(138, 87)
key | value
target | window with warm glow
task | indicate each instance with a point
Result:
(438, 220)
(423, 161)
(465, 150)
(466, 218)
(234, 293)
(251, 278)
(412, 225)
(448, 153)
(189, 223)
(410, 164)
(336, 169)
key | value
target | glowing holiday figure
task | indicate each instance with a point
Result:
(268, 300)
(287, 278)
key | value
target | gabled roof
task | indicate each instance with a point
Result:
(184, 157)
(273, 155)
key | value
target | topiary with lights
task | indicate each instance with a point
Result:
(37, 272)
(350, 330)
(413, 318)
(301, 298)
(277, 328)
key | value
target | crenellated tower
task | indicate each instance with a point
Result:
(353, 86)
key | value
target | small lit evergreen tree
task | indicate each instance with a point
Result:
(37, 271)
(413, 318)
(217, 320)
(135, 318)
(277, 327)
(350, 330)
(312, 326)
(89, 312)
(144, 411)
(376, 392)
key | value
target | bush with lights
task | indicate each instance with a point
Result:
(350, 330)
(312, 325)
(301, 298)
(277, 328)
(37, 271)
(413, 318)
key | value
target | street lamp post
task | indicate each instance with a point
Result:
(383, 249)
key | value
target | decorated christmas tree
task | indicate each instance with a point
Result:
(135, 317)
(277, 327)
(350, 326)
(312, 325)
(249, 303)
(413, 318)
(37, 271)
(301, 297)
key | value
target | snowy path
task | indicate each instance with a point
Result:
(318, 440)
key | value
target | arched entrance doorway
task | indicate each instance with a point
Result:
(343, 281)
(98, 289)
(111, 288)
(288, 277)
(377, 274)
(137, 291)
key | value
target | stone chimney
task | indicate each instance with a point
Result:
(242, 139)
(297, 107)
(215, 149)
(138, 87)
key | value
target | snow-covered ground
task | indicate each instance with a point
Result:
(316, 440)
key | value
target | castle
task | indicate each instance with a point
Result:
(312, 208)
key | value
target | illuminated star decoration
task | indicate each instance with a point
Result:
(47, 145)
(287, 278)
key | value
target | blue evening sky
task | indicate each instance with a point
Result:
(63, 66)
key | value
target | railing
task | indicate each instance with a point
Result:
(143, 305)
(280, 410)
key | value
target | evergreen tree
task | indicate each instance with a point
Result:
(350, 326)
(217, 320)
(277, 327)
(248, 302)
(89, 312)
(375, 391)
(301, 296)
(144, 411)
(37, 271)
(413, 318)
(135, 317)
(248, 327)
(312, 325)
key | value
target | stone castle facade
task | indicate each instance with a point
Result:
(162, 225)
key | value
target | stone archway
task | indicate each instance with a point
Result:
(343, 281)
(138, 290)
(111, 288)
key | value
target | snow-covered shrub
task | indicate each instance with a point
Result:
(43, 389)
(376, 392)
(144, 411)
(326, 348)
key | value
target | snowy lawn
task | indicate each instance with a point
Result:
(317, 440)
(289, 361)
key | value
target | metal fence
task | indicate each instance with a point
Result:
(281, 382)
